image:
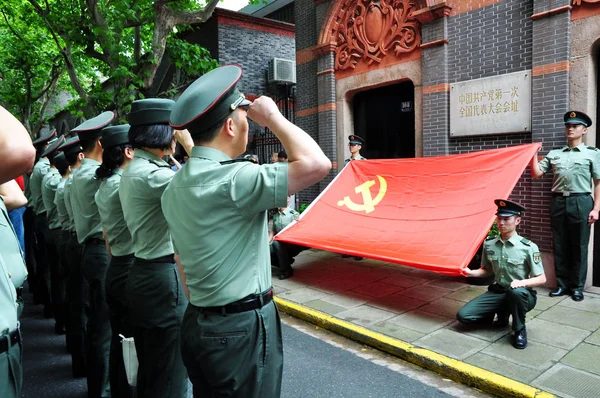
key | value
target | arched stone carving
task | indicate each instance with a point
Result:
(369, 30)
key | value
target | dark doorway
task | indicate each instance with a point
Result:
(385, 118)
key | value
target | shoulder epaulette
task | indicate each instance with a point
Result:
(491, 237)
(592, 148)
(526, 241)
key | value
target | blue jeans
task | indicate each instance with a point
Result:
(16, 218)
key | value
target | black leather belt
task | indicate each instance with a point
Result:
(169, 258)
(14, 337)
(570, 193)
(125, 257)
(249, 303)
(94, 241)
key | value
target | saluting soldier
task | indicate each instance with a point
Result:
(42, 272)
(154, 291)
(355, 143)
(116, 156)
(217, 210)
(517, 265)
(94, 258)
(49, 184)
(76, 284)
(576, 170)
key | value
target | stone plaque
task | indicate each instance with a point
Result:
(492, 105)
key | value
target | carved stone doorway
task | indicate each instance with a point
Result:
(385, 118)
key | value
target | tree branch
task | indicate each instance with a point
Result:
(13, 30)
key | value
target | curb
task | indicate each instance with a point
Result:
(456, 370)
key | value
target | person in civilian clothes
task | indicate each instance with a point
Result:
(117, 155)
(217, 210)
(49, 184)
(573, 210)
(18, 155)
(517, 265)
(94, 258)
(76, 284)
(154, 291)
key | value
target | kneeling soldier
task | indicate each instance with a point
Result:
(517, 265)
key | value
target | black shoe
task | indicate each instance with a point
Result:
(358, 258)
(520, 339)
(502, 320)
(286, 274)
(577, 295)
(346, 256)
(560, 291)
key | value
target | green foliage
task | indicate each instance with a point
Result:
(494, 231)
(191, 58)
(303, 207)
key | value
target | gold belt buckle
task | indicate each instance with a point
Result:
(566, 193)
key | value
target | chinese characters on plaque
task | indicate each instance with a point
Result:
(492, 105)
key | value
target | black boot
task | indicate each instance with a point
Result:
(520, 339)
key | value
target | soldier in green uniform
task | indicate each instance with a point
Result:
(355, 143)
(42, 272)
(17, 154)
(517, 265)
(217, 210)
(76, 285)
(94, 258)
(572, 210)
(283, 253)
(154, 291)
(49, 184)
(116, 156)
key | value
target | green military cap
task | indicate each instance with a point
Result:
(61, 161)
(114, 135)
(150, 111)
(52, 149)
(355, 140)
(208, 100)
(71, 146)
(576, 117)
(507, 208)
(94, 125)
(45, 138)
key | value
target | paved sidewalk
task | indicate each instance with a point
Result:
(419, 307)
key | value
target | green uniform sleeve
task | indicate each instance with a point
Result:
(535, 260)
(485, 263)
(158, 181)
(545, 164)
(258, 188)
(596, 165)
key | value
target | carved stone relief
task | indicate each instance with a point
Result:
(369, 30)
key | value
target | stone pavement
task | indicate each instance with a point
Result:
(419, 307)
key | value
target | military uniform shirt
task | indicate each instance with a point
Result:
(282, 219)
(573, 169)
(49, 184)
(358, 157)
(68, 201)
(111, 214)
(10, 249)
(61, 207)
(8, 300)
(85, 210)
(35, 185)
(218, 217)
(142, 184)
(516, 259)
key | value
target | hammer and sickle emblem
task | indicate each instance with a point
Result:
(369, 202)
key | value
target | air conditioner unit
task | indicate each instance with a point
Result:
(282, 71)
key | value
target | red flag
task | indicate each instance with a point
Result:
(429, 213)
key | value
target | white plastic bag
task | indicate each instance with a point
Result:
(130, 359)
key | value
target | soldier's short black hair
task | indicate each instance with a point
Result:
(153, 136)
(282, 154)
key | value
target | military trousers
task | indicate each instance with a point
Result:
(571, 236)
(156, 307)
(11, 371)
(42, 287)
(516, 302)
(116, 282)
(77, 306)
(283, 253)
(57, 283)
(95, 262)
(234, 355)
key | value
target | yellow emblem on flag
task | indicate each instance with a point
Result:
(369, 202)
